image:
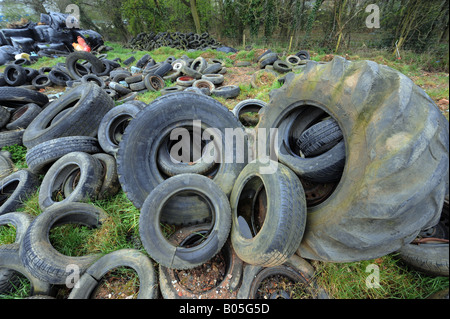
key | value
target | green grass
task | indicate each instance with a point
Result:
(21, 289)
(18, 153)
(246, 56)
(7, 235)
(121, 228)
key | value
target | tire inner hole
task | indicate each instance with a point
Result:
(118, 283)
(70, 105)
(117, 128)
(7, 190)
(207, 276)
(252, 208)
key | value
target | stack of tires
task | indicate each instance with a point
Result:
(21, 101)
(200, 75)
(348, 161)
(271, 60)
(18, 108)
(61, 145)
(271, 66)
(51, 37)
(66, 74)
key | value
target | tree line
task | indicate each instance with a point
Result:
(332, 24)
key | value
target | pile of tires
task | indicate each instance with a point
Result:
(18, 108)
(389, 128)
(182, 41)
(271, 60)
(50, 38)
(200, 75)
(77, 167)
(62, 74)
(348, 161)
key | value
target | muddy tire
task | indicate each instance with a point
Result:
(10, 259)
(204, 84)
(148, 283)
(17, 96)
(43, 155)
(269, 215)
(143, 61)
(89, 182)
(282, 66)
(267, 59)
(320, 137)
(15, 189)
(212, 69)
(8, 138)
(97, 65)
(283, 271)
(21, 222)
(58, 77)
(303, 55)
(94, 79)
(110, 183)
(38, 255)
(265, 53)
(6, 166)
(430, 258)
(163, 69)
(248, 105)
(113, 124)
(154, 82)
(15, 75)
(88, 103)
(396, 169)
(5, 115)
(169, 254)
(216, 79)
(227, 92)
(191, 72)
(23, 116)
(120, 89)
(327, 167)
(199, 64)
(296, 268)
(171, 166)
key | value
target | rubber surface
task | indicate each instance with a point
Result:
(397, 157)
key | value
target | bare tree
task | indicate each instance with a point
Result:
(193, 6)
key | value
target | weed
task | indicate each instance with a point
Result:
(18, 153)
(121, 228)
(348, 280)
(7, 235)
(21, 289)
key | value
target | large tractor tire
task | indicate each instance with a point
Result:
(397, 156)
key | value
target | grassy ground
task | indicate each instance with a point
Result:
(340, 280)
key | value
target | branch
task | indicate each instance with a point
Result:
(356, 13)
